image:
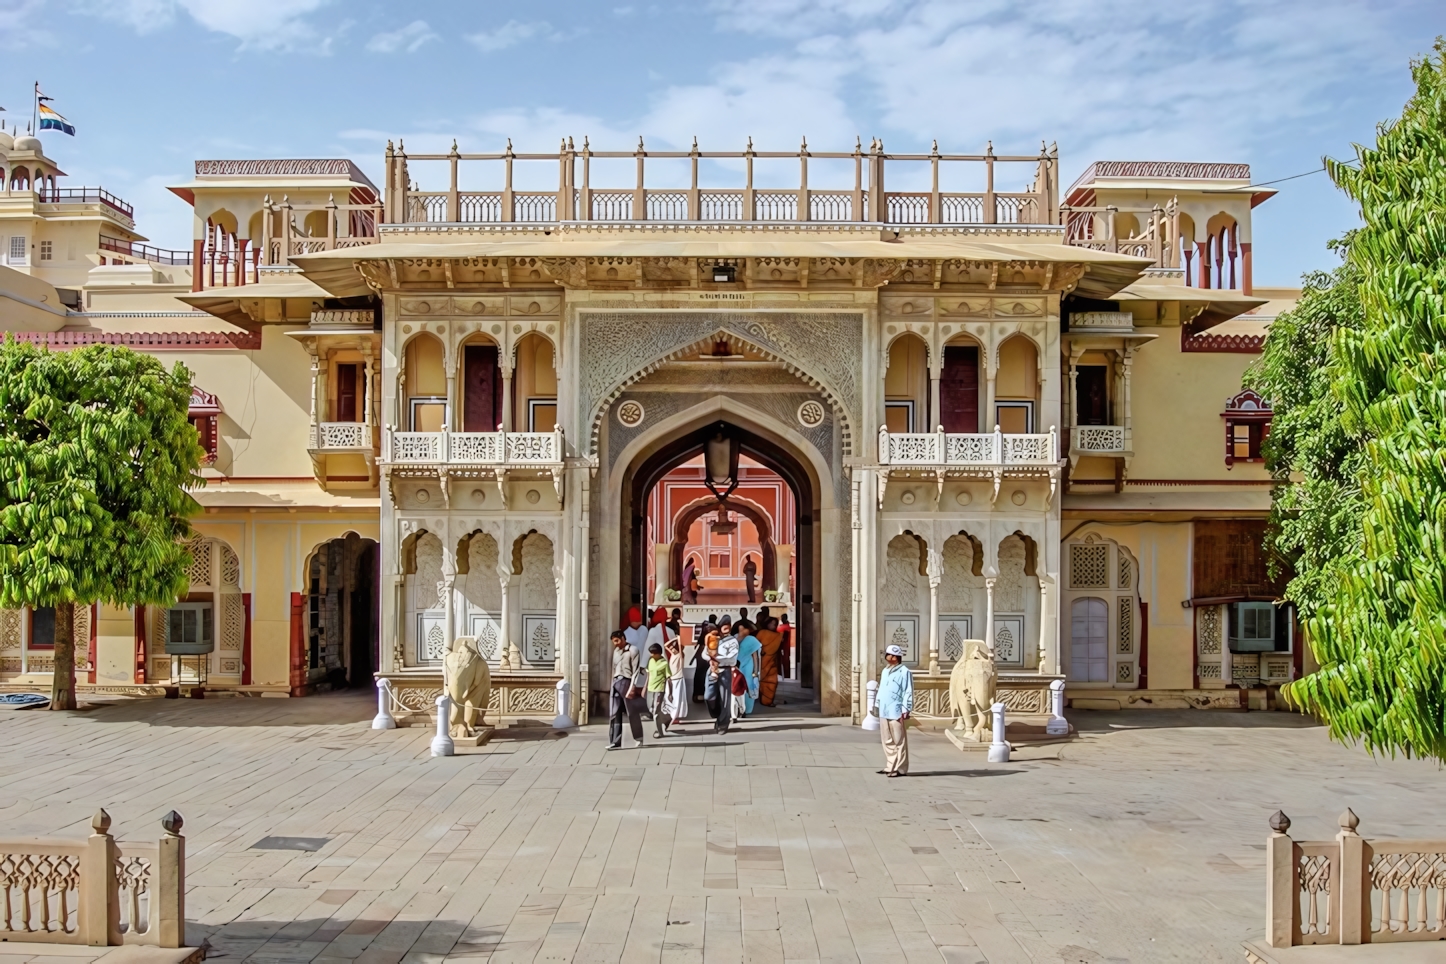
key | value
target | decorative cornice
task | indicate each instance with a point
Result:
(1222, 344)
(1183, 170)
(147, 340)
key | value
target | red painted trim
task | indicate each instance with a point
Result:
(94, 653)
(1221, 344)
(1144, 675)
(246, 640)
(198, 250)
(141, 645)
(153, 340)
(298, 645)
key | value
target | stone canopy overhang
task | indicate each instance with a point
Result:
(873, 255)
(1200, 308)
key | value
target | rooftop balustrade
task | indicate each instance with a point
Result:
(577, 198)
(84, 195)
(144, 252)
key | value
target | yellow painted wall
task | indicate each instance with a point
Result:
(1176, 401)
(1018, 375)
(265, 401)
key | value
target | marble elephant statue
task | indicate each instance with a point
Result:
(971, 689)
(468, 682)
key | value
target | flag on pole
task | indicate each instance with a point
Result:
(50, 119)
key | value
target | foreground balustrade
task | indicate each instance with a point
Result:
(98, 891)
(1098, 440)
(1352, 890)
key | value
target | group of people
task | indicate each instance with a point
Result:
(736, 666)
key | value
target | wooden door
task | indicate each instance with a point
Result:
(482, 389)
(959, 390)
(1093, 395)
(346, 393)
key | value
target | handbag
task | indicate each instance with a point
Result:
(740, 683)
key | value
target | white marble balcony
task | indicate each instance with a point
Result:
(341, 437)
(1098, 440)
(474, 448)
(990, 450)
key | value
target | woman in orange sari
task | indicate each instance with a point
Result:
(772, 642)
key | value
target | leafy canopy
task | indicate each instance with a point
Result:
(1315, 513)
(96, 453)
(1380, 633)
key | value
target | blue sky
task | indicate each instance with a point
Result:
(151, 85)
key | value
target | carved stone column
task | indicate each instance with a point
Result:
(991, 577)
(504, 577)
(315, 396)
(934, 565)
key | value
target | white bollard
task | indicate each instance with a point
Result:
(384, 720)
(998, 749)
(871, 711)
(564, 702)
(442, 744)
(1057, 725)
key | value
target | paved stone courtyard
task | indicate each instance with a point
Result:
(1142, 841)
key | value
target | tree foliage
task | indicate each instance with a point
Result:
(1315, 513)
(1380, 634)
(96, 453)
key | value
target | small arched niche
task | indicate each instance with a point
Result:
(424, 373)
(906, 385)
(534, 385)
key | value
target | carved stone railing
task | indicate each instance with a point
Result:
(985, 450)
(487, 448)
(341, 435)
(1351, 890)
(1097, 439)
(363, 318)
(98, 891)
(1102, 321)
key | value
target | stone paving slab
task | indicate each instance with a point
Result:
(1141, 841)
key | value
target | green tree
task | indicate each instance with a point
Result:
(1316, 505)
(1380, 634)
(96, 454)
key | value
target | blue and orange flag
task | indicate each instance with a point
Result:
(50, 119)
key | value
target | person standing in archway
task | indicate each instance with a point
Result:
(896, 702)
(750, 576)
(690, 583)
(772, 642)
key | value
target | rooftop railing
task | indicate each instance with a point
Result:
(577, 198)
(85, 195)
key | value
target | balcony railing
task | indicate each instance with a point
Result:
(341, 435)
(984, 450)
(86, 195)
(144, 252)
(475, 448)
(1098, 439)
(1152, 232)
(866, 200)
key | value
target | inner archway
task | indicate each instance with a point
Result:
(798, 528)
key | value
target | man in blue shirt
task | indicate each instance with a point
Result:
(895, 703)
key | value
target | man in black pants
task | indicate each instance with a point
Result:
(723, 663)
(625, 696)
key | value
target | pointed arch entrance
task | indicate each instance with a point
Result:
(645, 474)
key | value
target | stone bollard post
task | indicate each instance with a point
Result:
(1057, 725)
(564, 702)
(998, 747)
(442, 744)
(168, 886)
(1354, 900)
(98, 916)
(871, 709)
(384, 720)
(1282, 903)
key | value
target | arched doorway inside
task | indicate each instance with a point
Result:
(342, 612)
(793, 526)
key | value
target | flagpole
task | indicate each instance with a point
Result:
(35, 112)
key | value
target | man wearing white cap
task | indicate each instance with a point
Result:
(896, 701)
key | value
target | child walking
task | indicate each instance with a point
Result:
(658, 673)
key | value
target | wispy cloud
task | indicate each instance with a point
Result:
(510, 34)
(273, 25)
(408, 38)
